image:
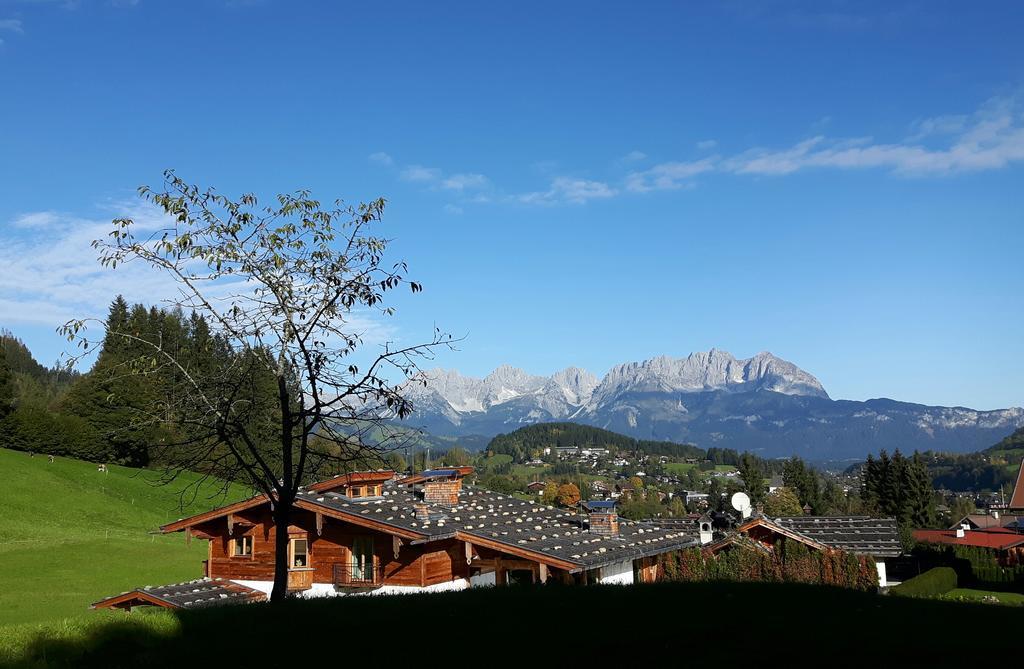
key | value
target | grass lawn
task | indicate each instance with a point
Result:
(679, 468)
(966, 594)
(70, 535)
(665, 625)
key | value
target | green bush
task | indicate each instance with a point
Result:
(937, 581)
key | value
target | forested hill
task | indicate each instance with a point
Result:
(528, 441)
(1012, 443)
(27, 376)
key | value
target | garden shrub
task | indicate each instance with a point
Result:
(937, 581)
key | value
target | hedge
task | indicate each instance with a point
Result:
(933, 582)
(790, 562)
(975, 566)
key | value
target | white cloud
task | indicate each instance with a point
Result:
(38, 219)
(381, 158)
(51, 274)
(706, 144)
(12, 25)
(634, 157)
(667, 176)
(453, 209)
(991, 138)
(567, 189)
(420, 173)
(462, 182)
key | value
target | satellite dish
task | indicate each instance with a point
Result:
(741, 502)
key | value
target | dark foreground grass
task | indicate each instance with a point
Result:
(663, 625)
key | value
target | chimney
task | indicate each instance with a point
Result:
(604, 519)
(960, 533)
(442, 491)
(706, 535)
(422, 511)
(995, 514)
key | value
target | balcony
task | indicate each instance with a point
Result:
(300, 578)
(358, 575)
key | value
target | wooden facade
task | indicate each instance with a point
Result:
(241, 547)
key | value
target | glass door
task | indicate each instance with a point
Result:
(362, 559)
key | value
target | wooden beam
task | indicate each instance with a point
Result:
(469, 552)
(180, 525)
(396, 544)
(231, 525)
(543, 573)
(319, 523)
(188, 536)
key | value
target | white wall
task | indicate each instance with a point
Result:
(483, 580)
(328, 590)
(880, 566)
(620, 573)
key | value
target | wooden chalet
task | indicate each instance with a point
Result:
(372, 532)
(877, 538)
(1017, 498)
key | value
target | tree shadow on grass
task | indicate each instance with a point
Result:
(658, 625)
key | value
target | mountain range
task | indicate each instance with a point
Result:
(763, 404)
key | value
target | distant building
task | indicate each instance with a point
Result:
(1017, 498)
(695, 496)
(877, 538)
(1007, 542)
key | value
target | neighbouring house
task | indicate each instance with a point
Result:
(775, 483)
(371, 532)
(984, 521)
(537, 487)
(695, 496)
(877, 538)
(1016, 502)
(1006, 542)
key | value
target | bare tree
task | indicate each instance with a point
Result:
(284, 397)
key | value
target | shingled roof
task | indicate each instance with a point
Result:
(1017, 498)
(544, 532)
(860, 535)
(196, 594)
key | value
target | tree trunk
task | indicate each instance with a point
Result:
(282, 518)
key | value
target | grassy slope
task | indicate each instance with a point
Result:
(657, 626)
(70, 535)
(966, 594)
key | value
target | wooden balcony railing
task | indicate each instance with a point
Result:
(300, 578)
(358, 575)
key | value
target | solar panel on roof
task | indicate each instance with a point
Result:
(431, 473)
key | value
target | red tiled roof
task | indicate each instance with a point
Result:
(999, 538)
(1017, 499)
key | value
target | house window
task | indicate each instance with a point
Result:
(355, 491)
(299, 550)
(241, 547)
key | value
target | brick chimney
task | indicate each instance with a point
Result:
(422, 511)
(604, 519)
(442, 491)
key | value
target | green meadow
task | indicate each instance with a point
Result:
(70, 535)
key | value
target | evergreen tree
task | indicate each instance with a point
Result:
(6, 385)
(804, 482)
(753, 477)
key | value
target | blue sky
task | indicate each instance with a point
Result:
(574, 183)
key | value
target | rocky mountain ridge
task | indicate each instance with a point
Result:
(762, 403)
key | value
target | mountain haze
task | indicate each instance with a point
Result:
(763, 403)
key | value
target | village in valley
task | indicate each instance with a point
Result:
(586, 333)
